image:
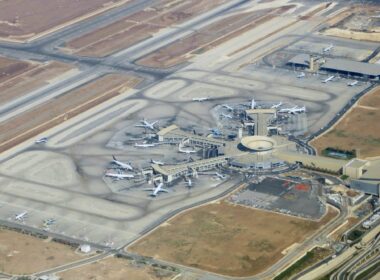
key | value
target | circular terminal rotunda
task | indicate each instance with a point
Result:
(258, 143)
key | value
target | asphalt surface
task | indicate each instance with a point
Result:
(46, 48)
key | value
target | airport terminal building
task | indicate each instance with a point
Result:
(337, 65)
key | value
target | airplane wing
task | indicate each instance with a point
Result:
(164, 190)
(149, 189)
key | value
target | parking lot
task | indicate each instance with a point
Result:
(284, 196)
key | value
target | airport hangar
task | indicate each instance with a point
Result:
(337, 65)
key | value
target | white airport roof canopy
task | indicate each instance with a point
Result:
(342, 65)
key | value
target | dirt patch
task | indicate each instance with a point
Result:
(359, 129)
(25, 254)
(357, 23)
(115, 269)
(55, 111)
(10, 68)
(355, 35)
(23, 19)
(227, 239)
(138, 26)
(209, 37)
(38, 76)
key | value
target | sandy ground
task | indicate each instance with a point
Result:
(21, 85)
(138, 26)
(10, 68)
(359, 129)
(61, 108)
(209, 37)
(25, 254)
(115, 269)
(254, 239)
(357, 23)
(22, 19)
(355, 35)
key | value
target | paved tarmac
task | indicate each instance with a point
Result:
(85, 206)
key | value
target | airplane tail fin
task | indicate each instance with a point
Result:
(113, 157)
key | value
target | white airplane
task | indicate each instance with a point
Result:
(253, 103)
(298, 110)
(118, 176)
(186, 151)
(155, 191)
(49, 222)
(227, 116)
(21, 216)
(301, 75)
(147, 124)
(221, 176)
(328, 79)
(200, 99)
(122, 165)
(158, 162)
(227, 107)
(352, 84)
(328, 49)
(189, 183)
(144, 145)
(293, 110)
(41, 140)
(276, 106)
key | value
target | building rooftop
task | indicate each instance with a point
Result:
(312, 161)
(174, 169)
(339, 64)
(261, 111)
(167, 130)
(357, 163)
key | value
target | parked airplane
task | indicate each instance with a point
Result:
(227, 116)
(41, 140)
(117, 176)
(221, 176)
(216, 132)
(328, 79)
(144, 145)
(155, 191)
(147, 124)
(186, 151)
(122, 165)
(328, 49)
(298, 110)
(227, 107)
(301, 75)
(189, 182)
(21, 216)
(293, 110)
(253, 103)
(200, 99)
(276, 106)
(352, 84)
(49, 222)
(158, 162)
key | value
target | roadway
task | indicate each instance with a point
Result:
(351, 269)
(350, 262)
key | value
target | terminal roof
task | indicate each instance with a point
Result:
(339, 64)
